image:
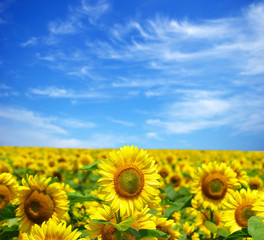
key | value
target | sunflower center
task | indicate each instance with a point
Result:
(39, 207)
(243, 213)
(163, 173)
(175, 180)
(4, 196)
(129, 182)
(254, 185)
(214, 186)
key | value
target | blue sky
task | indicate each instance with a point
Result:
(156, 74)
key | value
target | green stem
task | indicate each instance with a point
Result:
(118, 220)
(212, 220)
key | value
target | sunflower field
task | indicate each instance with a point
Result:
(130, 193)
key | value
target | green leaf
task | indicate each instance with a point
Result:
(122, 226)
(177, 206)
(222, 232)
(8, 212)
(256, 227)
(211, 226)
(74, 198)
(8, 232)
(240, 234)
(153, 211)
(53, 180)
(147, 233)
(92, 166)
(170, 192)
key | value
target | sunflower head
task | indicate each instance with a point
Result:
(53, 231)
(213, 184)
(239, 208)
(40, 201)
(8, 189)
(129, 179)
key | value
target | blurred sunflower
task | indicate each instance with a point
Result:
(213, 184)
(52, 231)
(8, 189)
(39, 201)
(255, 183)
(167, 225)
(129, 179)
(239, 208)
(109, 232)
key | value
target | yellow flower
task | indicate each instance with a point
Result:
(239, 208)
(8, 189)
(241, 174)
(129, 179)
(108, 232)
(166, 225)
(202, 217)
(255, 183)
(53, 231)
(40, 201)
(213, 184)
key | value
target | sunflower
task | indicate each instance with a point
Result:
(258, 206)
(108, 232)
(39, 201)
(241, 174)
(203, 216)
(129, 179)
(255, 183)
(239, 208)
(213, 184)
(52, 230)
(167, 225)
(8, 189)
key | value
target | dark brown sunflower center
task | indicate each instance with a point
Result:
(243, 213)
(254, 185)
(39, 207)
(214, 186)
(4, 196)
(175, 180)
(163, 173)
(129, 182)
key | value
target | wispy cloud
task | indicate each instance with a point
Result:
(31, 42)
(243, 113)
(55, 92)
(73, 123)
(30, 118)
(34, 121)
(7, 91)
(28, 128)
(74, 21)
(125, 123)
(153, 135)
(163, 40)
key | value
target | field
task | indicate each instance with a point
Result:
(130, 193)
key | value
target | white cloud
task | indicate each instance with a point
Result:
(48, 58)
(30, 118)
(73, 123)
(153, 135)
(238, 40)
(243, 113)
(55, 92)
(125, 123)
(31, 42)
(75, 20)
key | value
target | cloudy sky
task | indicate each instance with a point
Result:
(153, 73)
